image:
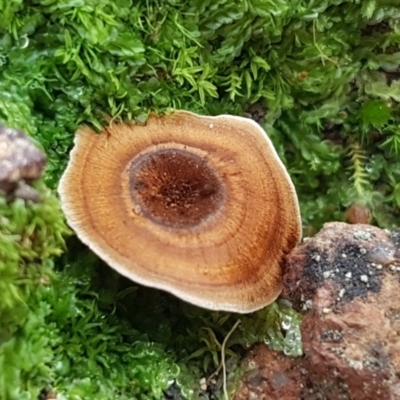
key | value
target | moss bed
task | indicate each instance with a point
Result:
(322, 78)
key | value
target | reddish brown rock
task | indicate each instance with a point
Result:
(270, 375)
(346, 282)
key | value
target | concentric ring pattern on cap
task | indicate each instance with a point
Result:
(201, 207)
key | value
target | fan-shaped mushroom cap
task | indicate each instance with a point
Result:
(201, 207)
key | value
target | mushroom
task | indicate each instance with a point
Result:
(201, 207)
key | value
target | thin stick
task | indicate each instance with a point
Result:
(322, 54)
(223, 356)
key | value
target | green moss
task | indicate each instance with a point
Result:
(30, 237)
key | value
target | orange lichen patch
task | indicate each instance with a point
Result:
(201, 207)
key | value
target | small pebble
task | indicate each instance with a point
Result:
(307, 305)
(362, 235)
(203, 384)
(327, 274)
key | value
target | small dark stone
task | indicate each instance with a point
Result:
(254, 378)
(256, 112)
(47, 394)
(43, 394)
(173, 393)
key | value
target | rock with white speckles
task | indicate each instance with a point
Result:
(353, 351)
(351, 325)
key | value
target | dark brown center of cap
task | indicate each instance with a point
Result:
(174, 187)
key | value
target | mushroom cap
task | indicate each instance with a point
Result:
(199, 206)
